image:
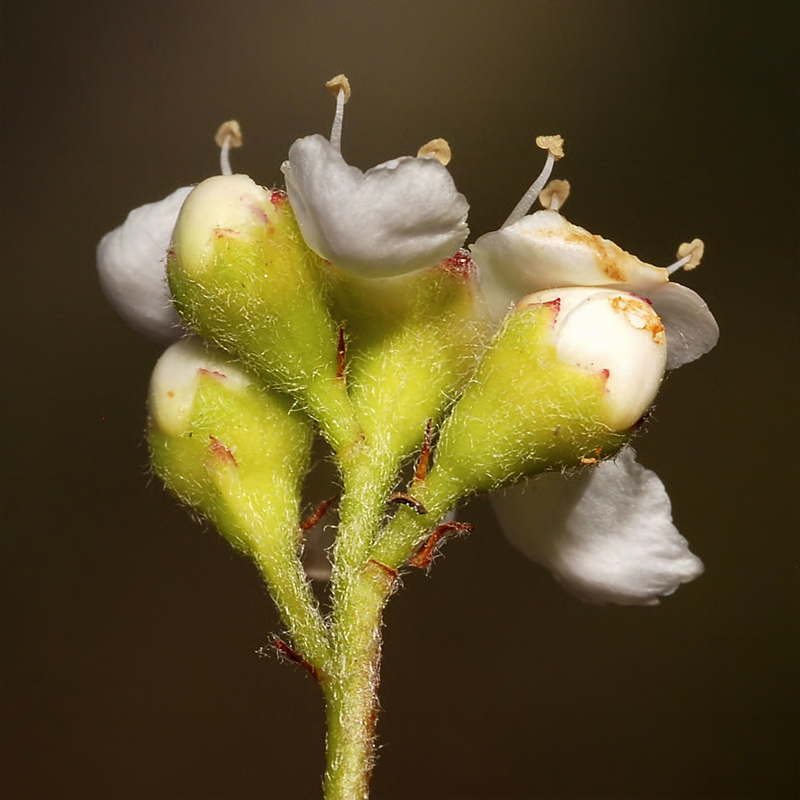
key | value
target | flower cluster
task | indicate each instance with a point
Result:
(535, 353)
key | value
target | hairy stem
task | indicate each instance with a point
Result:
(351, 690)
(299, 610)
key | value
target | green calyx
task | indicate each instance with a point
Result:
(242, 277)
(525, 412)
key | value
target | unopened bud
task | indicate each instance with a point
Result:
(615, 334)
(177, 376)
(243, 278)
(565, 379)
(227, 446)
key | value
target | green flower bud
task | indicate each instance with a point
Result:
(243, 278)
(228, 447)
(412, 343)
(567, 376)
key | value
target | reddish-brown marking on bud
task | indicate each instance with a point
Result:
(278, 197)
(218, 450)
(212, 373)
(421, 472)
(224, 233)
(341, 353)
(316, 515)
(460, 264)
(424, 556)
(259, 212)
(290, 654)
(408, 500)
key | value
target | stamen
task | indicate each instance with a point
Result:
(555, 194)
(438, 149)
(689, 256)
(339, 87)
(555, 150)
(228, 135)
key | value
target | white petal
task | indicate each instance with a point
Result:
(691, 328)
(546, 251)
(606, 533)
(131, 263)
(397, 217)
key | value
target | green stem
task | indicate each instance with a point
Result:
(408, 529)
(291, 591)
(351, 691)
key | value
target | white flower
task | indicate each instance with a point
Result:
(400, 216)
(131, 264)
(606, 533)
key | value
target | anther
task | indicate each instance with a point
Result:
(555, 150)
(228, 135)
(339, 87)
(555, 194)
(689, 255)
(438, 149)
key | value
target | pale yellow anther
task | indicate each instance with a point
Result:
(340, 82)
(693, 251)
(553, 144)
(555, 194)
(438, 149)
(230, 132)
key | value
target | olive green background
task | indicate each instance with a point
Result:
(130, 633)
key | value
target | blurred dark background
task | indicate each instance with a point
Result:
(130, 633)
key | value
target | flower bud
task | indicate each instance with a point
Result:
(612, 333)
(243, 278)
(228, 447)
(567, 376)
